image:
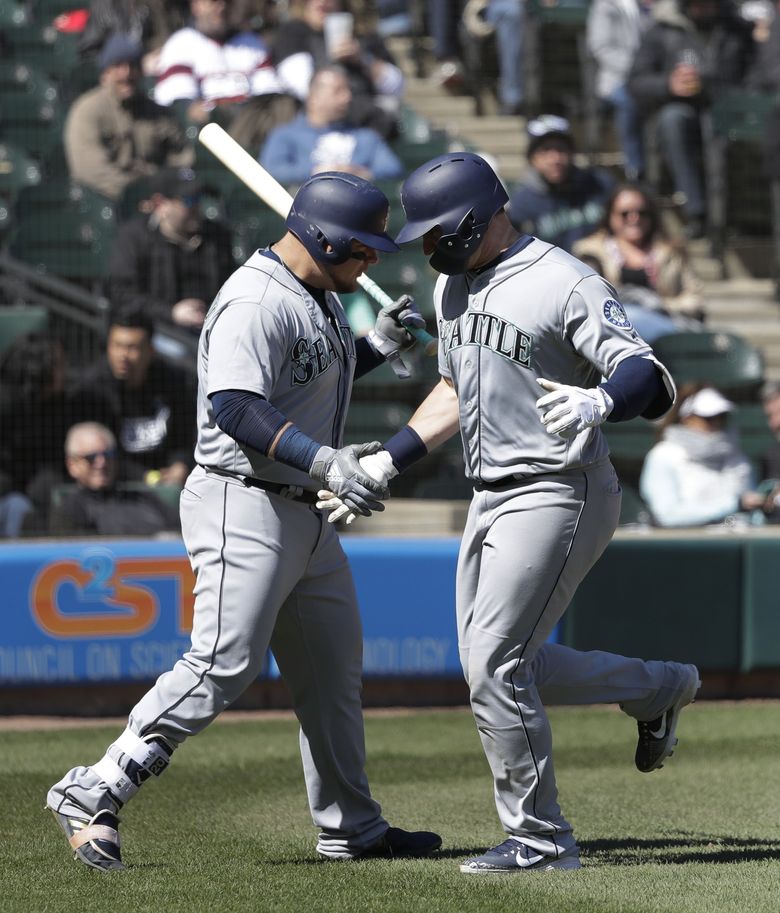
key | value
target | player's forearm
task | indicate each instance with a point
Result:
(436, 418)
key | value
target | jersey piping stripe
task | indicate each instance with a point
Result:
(214, 651)
(520, 657)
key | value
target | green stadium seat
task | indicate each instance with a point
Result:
(31, 116)
(17, 171)
(18, 320)
(725, 360)
(754, 434)
(633, 510)
(13, 15)
(376, 420)
(41, 46)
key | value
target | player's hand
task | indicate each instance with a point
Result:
(568, 410)
(379, 466)
(390, 335)
(343, 475)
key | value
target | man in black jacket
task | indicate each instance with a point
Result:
(148, 404)
(695, 49)
(98, 506)
(171, 257)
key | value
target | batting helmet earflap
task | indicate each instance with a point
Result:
(332, 209)
(459, 193)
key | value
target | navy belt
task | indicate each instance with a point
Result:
(290, 492)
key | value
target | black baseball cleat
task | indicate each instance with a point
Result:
(95, 841)
(513, 856)
(396, 843)
(657, 737)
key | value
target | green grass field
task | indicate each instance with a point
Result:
(227, 828)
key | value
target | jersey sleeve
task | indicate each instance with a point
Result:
(598, 328)
(248, 344)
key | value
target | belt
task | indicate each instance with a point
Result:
(290, 492)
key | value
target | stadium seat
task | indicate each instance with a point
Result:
(633, 510)
(17, 171)
(375, 421)
(13, 15)
(31, 114)
(754, 434)
(18, 320)
(41, 46)
(725, 360)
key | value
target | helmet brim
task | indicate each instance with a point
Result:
(379, 242)
(414, 230)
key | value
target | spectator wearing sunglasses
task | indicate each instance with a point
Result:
(98, 506)
(170, 256)
(650, 271)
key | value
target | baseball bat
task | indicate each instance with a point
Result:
(247, 169)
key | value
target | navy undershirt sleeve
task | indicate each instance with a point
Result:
(636, 388)
(367, 357)
(252, 421)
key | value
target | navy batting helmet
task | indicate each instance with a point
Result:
(332, 209)
(459, 193)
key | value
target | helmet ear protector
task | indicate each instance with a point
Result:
(333, 209)
(459, 193)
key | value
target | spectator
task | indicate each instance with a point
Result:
(443, 17)
(113, 133)
(697, 474)
(171, 259)
(557, 201)
(635, 254)
(98, 506)
(216, 72)
(321, 139)
(613, 33)
(146, 22)
(693, 50)
(35, 414)
(504, 20)
(770, 400)
(299, 48)
(149, 405)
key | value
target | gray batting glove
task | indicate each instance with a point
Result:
(343, 475)
(390, 333)
(379, 466)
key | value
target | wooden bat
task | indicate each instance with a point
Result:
(247, 169)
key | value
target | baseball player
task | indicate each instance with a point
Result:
(527, 332)
(276, 362)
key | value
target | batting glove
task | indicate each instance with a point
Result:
(390, 336)
(568, 410)
(343, 475)
(379, 466)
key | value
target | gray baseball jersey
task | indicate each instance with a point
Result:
(264, 333)
(539, 313)
(543, 510)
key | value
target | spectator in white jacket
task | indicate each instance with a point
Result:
(613, 32)
(218, 73)
(697, 474)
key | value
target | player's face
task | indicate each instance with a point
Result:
(345, 275)
(91, 461)
(129, 352)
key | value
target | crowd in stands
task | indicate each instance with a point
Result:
(311, 87)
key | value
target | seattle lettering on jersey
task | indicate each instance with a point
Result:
(481, 328)
(310, 359)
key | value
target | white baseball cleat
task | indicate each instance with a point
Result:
(514, 856)
(657, 737)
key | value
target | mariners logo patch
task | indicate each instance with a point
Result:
(613, 311)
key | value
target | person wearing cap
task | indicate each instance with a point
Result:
(169, 257)
(697, 474)
(114, 133)
(557, 200)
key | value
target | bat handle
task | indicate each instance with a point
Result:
(428, 342)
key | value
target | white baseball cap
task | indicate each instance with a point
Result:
(707, 403)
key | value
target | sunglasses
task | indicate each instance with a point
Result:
(91, 457)
(642, 213)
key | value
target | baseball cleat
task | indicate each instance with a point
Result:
(396, 842)
(657, 737)
(514, 856)
(95, 841)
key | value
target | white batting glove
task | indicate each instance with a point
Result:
(567, 411)
(377, 465)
